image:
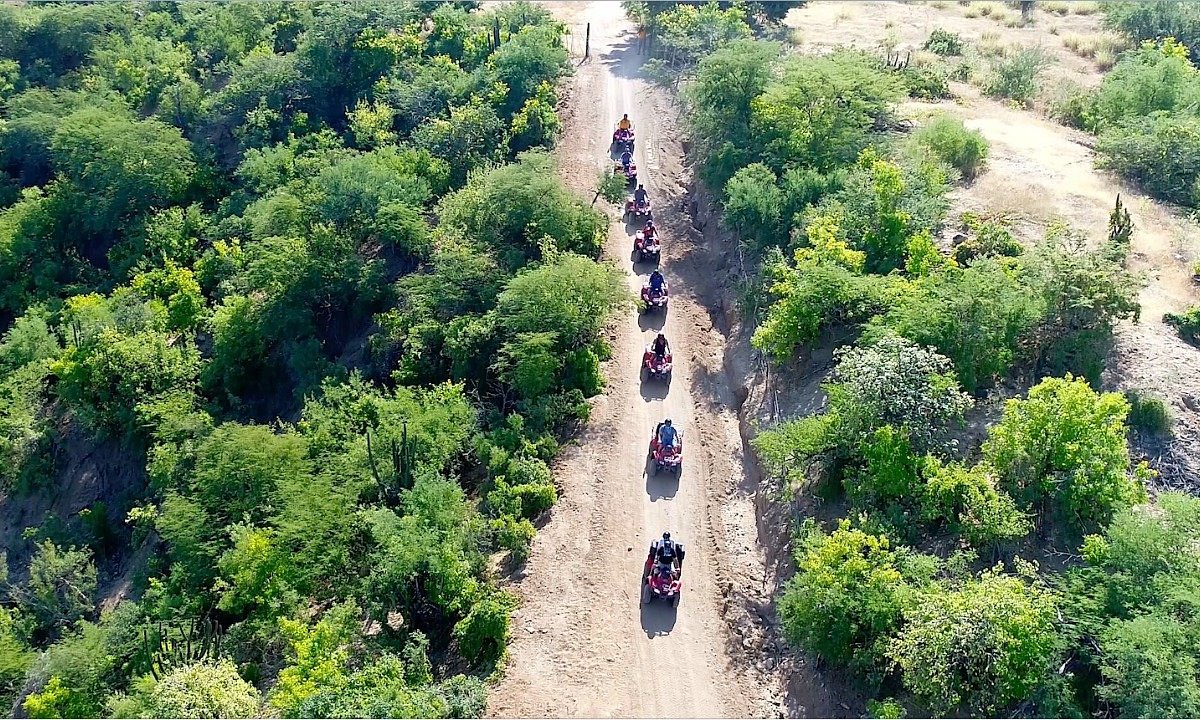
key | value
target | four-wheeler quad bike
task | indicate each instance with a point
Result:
(666, 458)
(661, 581)
(623, 139)
(638, 209)
(630, 172)
(656, 368)
(652, 300)
(647, 250)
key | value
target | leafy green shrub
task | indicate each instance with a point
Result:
(1066, 443)
(1155, 77)
(974, 316)
(926, 82)
(1150, 663)
(952, 143)
(846, 598)
(571, 297)
(1016, 77)
(981, 648)
(891, 470)
(1187, 324)
(104, 379)
(1161, 153)
(483, 634)
(1148, 414)
(988, 238)
(895, 382)
(968, 500)
(204, 691)
(61, 589)
(887, 708)
(514, 207)
(754, 205)
(1152, 21)
(944, 43)
(515, 535)
(15, 659)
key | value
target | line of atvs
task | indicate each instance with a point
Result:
(662, 571)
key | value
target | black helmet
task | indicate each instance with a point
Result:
(667, 421)
(661, 336)
(666, 536)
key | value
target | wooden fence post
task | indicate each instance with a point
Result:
(587, 40)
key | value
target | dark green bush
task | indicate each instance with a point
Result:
(1160, 152)
(944, 43)
(1148, 414)
(1016, 77)
(952, 143)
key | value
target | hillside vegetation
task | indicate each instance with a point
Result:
(913, 574)
(301, 281)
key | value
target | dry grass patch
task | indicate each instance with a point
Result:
(1103, 49)
(1056, 8)
(1081, 7)
(990, 45)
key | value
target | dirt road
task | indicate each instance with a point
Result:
(583, 646)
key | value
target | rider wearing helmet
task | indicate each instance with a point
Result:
(666, 551)
(667, 434)
(649, 231)
(660, 347)
(624, 124)
(657, 281)
(639, 195)
(626, 160)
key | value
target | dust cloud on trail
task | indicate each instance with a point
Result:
(582, 645)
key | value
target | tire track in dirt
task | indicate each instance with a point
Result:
(582, 645)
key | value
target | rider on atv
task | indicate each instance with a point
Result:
(639, 195)
(667, 434)
(656, 282)
(626, 160)
(649, 232)
(666, 552)
(624, 123)
(660, 347)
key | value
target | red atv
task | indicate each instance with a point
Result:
(629, 172)
(666, 458)
(662, 581)
(647, 249)
(638, 209)
(623, 139)
(656, 367)
(652, 300)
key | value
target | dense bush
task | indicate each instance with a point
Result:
(1157, 20)
(1160, 152)
(1186, 323)
(846, 599)
(978, 649)
(1016, 77)
(1066, 444)
(952, 143)
(944, 42)
(217, 249)
(204, 691)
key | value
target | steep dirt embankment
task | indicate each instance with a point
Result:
(582, 645)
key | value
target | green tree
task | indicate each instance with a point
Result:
(571, 297)
(978, 649)
(204, 691)
(117, 167)
(1066, 443)
(846, 599)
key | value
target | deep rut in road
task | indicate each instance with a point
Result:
(582, 644)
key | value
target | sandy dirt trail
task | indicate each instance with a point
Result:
(582, 644)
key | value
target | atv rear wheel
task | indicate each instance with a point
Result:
(675, 601)
(646, 593)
